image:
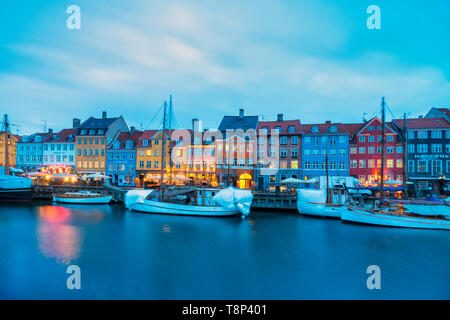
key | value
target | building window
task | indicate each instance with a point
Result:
(283, 140)
(294, 164)
(410, 165)
(422, 148)
(371, 150)
(332, 165)
(307, 165)
(362, 138)
(422, 134)
(399, 163)
(294, 140)
(436, 148)
(371, 138)
(411, 148)
(353, 164)
(436, 134)
(341, 165)
(390, 163)
(294, 152)
(283, 164)
(362, 163)
(436, 167)
(362, 150)
(390, 149)
(422, 166)
(315, 165)
(371, 163)
(353, 150)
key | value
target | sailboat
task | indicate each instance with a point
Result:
(12, 187)
(402, 215)
(325, 202)
(188, 200)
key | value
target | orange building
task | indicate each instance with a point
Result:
(11, 140)
(92, 138)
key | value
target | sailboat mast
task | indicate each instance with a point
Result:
(170, 149)
(383, 147)
(327, 189)
(6, 145)
(163, 144)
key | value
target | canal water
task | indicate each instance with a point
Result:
(269, 255)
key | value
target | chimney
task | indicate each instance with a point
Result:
(50, 130)
(104, 115)
(241, 113)
(76, 123)
(420, 117)
(328, 122)
(197, 125)
(132, 130)
(280, 117)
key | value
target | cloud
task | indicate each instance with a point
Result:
(214, 57)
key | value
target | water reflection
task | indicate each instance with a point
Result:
(58, 231)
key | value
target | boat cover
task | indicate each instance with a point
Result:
(136, 196)
(426, 210)
(13, 182)
(235, 198)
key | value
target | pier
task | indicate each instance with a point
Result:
(261, 200)
(274, 200)
(46, 192)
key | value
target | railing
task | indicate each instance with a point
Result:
(269, 200)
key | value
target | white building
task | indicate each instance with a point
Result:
(59, 152)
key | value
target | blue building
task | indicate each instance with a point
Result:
(121, 158)
(30, 151)
(317, 140)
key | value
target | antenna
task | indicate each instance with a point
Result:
(44, 125)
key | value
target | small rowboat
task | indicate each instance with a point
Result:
(85, 197)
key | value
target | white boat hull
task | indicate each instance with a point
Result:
(149, 206)
(319, 210)
(365, 217)
(93, 200)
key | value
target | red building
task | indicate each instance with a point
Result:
(365, 153)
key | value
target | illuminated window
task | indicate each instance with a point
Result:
(283, 164)
(294, 164)
(399, 163)
(362, 163)
(371, 164)
(390, 163)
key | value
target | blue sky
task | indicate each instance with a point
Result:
(311, 60)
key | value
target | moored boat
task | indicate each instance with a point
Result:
(83, 197)
(313, 202)
(15, 188)
(191, 201)
(394, 219)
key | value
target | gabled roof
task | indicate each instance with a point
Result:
(235, 122)
(97, 123)
(323, 128)
(284, 125)
(353, 128)
(445, 111)
(388, 125)
(148, 135)
(423, 123)
(123, 137)
(65, 135)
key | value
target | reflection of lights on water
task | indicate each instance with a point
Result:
(56, 237)
(166, 228)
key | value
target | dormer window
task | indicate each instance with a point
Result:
(264, 129)
(315, 129)
(37, 139)
(101, 131)
(117, 145)
(332, 129)
(145, 143)
(83, 132)
(91, 132)
(129, 145)
(278, 129)
(291, 129)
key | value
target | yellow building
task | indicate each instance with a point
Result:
(148, 158)
(92, 138)
(11, 140)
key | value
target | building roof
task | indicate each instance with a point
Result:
(445, 111)
(423, 123)
(353, 128)
(123, 137)
(236, 122)
(148, 135)
(65, 135)
(97, 123)
(323, 128)
(285, 124)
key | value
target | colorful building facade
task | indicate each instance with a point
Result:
(427, 153)
(59, 152)
(322, 141)
(30, 151)
(288, 142)
(92, 138)
(121, 158)
(7, 138)
(366, 152)
(236, 150)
